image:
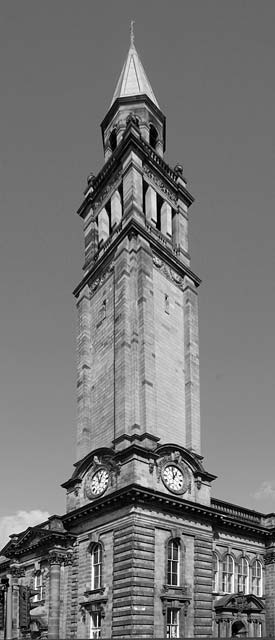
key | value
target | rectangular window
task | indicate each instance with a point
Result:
(172, 627)
(257, 579)
(215, 584)
(95, 630)
(38, 587)
(173, 568)
(228, 575)
(97, 566)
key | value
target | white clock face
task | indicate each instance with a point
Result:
(99, 482)
(173, 478)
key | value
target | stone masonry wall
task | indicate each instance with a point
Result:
(203, 585)
(133, 580)
(170, 365)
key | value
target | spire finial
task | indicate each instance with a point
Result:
(132, 35)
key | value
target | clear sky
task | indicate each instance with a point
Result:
(211, 65)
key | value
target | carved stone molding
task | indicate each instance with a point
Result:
(169, 273)
(111, 186)
(160, 184)
(132, 119)
(177, 597)
(175, 457)
(94, 284)
(68, 560)
(56, 557)
(270, 557)
(16, 571)
(98, 462)
(95, 602)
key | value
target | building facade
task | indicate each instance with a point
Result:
(143, 550)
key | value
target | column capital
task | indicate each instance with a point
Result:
(16, 571)
(270, 557)
(57, 556)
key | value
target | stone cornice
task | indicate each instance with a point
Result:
(129, 100)
(166, 253)
(42, 539)
(135, 494)
(113, 166)
(233, 510)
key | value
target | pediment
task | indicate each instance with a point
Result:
(83, 465)
(33, 538)
(239, 602)
(190, 458)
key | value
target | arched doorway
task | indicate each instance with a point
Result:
(238, 629)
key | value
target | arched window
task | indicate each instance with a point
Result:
(257, 578)
(173, 563)
(216, 573)
(243, 578)
(96, 582)
(153, 136)
(228, 574)
(113, 140)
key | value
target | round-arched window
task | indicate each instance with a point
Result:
(153, 136)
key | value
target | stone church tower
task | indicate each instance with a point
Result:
(138, 366)
(143, 550)
(138, 437)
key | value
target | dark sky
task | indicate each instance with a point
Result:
(211, 65)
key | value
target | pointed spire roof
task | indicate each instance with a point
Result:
(133, 80)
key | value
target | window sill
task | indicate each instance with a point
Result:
(38, 603)
(94, 592)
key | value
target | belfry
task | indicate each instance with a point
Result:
(143, 550)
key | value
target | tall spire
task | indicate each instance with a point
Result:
(132, 33)
(133, 80)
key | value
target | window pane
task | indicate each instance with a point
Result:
(172, 628)
(96, 567)
(95, 631)
(173, 565)
(228, 575)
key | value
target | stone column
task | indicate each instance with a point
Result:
(9, 611)
(56, 558)
(16, 572)
(65, 629)
(132, 187)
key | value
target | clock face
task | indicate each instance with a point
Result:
(173, 478)
(99, 482)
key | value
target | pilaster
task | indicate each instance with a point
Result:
(145, 306)
(192, 376)
(84, 436)
(132, 186)
(270, 591)
(122, 346)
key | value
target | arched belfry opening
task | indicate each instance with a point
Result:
(153, 136)
(113, 140)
